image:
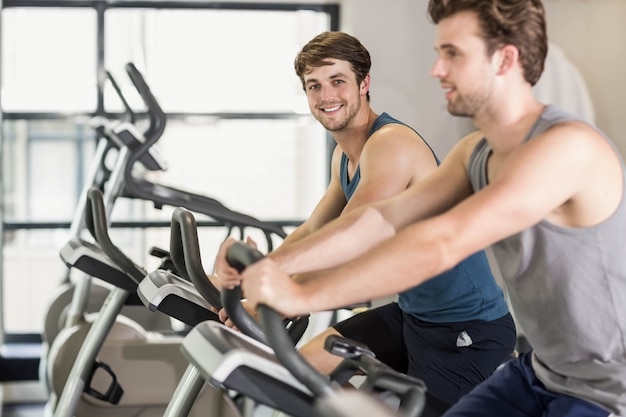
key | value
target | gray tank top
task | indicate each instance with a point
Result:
(567, 288)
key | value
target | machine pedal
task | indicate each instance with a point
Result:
(113, 393)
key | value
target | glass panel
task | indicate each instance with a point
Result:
(45, 163)
(196, 61)
(225, 160)
(272, 169)
(32, 273)
(48, 59)
(214, 60)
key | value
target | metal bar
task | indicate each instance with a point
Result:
(174, 4)
(140, 224)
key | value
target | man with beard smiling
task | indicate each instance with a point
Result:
(451, 332)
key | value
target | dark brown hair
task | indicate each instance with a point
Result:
(334, 45)
(520, 23)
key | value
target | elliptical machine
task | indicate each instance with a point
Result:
(111, 370)
(189, 294)
(124, 183)
(77, 295)
(108, 148)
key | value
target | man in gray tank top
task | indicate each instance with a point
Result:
(545, 190)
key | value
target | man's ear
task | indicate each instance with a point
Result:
(508, 57)
(365, 85)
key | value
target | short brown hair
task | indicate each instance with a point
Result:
(520, 23)
(334, 45)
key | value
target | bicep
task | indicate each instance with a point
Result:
(389, 165)
(537, 181)
(446, 186)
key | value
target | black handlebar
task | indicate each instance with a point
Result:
(129, 111)
(185, 254)
(239, 256)
(165, 195)
(156, 114)
(379, 377)
(97, 223)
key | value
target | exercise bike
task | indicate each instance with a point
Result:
(245, 365)
(66, 307)
(380, 381)
(160, 195)
(113, 368)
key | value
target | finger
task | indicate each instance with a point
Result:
(231, 325)
(251, 242)
(231, 284)
(229, 280)
(223, 316)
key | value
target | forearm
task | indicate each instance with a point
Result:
(393, 266)
(337, 242)
(306, 276)
(296, 235)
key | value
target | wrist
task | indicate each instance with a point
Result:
(279, 260)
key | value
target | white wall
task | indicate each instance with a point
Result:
(400, 40)
(592, 34)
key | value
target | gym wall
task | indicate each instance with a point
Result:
(400, 39)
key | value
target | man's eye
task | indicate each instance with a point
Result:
(313, 87)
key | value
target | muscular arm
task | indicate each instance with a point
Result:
(393, 158)
(363, 228)
(541, 180)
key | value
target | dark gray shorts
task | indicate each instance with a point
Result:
(515, 391)
(438, 353)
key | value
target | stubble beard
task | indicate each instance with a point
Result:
(337, 125)
(462, 107)
(469, 104)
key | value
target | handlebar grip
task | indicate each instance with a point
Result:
(240, 256)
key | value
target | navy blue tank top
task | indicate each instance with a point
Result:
(466, 292)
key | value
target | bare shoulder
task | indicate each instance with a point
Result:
(394, 157)
(472, 139)
(577, 140)
(399, 134)
(399, 147)
(573, 127)
(576, 130)
(461, 152)
(571, 173)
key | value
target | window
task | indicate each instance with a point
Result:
(52, 68)
(238, 125)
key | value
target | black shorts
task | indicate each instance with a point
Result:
(440, 354)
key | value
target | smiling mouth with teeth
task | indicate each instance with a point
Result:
(331, 109)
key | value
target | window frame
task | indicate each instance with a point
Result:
(101, 7)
